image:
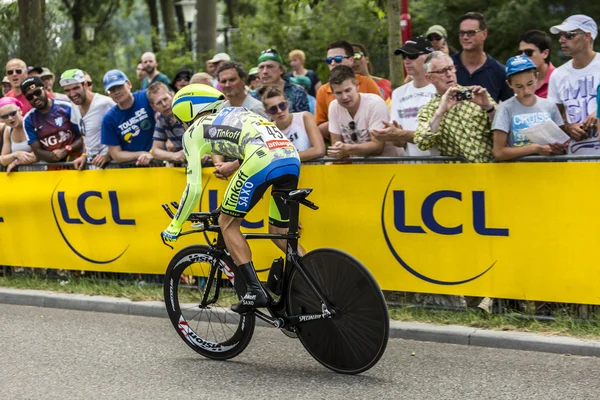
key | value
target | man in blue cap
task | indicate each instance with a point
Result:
(128, 127)
(523, 111)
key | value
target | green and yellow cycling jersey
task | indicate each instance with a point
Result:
(267, 158)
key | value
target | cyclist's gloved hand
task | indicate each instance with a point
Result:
(170, 234)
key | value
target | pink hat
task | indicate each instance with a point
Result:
(10, 100)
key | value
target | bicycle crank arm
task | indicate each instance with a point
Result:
(276, 322)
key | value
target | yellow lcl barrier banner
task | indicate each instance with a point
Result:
(521, 231)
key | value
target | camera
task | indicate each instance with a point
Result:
(464, 95)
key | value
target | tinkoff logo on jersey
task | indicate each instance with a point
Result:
(220, 132)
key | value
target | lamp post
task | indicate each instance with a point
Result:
(189, 15)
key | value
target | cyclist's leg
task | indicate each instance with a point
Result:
(235, 241)
(279, 212)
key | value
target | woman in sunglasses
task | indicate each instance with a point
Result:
(182, 78)
(15, 150)
(300, 128)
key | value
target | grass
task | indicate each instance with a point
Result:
(562, 324)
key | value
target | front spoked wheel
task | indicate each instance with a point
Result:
(198, 295)
(356, 337)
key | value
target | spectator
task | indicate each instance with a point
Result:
(458, 128)
(408, 99)
(212, 71)
(48, 79)
(253, 79)
(128, 127)
(297, 61)
(338, 53)
(474, 67)
(352, 117)
(300, 128)
(214, 64)
(272, 73)
(140, 72)
(92, 108)
(363, 66)
(203, 78)
(523, 111)
(167, 126)
(438, 37)
(89, 84)
(15, 149)
(16, 71)
(34, 71)
(536, 45)
(231, 78)
(573, 85)
(152, 73)
(181, 79)
(306, 84)
(52, 126)
(5, 85)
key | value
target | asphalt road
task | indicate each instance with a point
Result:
(62, 354)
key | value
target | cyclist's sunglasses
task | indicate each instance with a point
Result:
(352, 126)
(37, 93)
(275, 109)
(14, 71)
(337, 59)
(10, 114)
(527, 52)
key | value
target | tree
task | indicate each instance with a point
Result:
(153, 11)
(32, 36)
(206, 21)
(167, 9)
(395, 40)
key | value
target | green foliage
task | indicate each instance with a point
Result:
(9, 31)
(286, 27)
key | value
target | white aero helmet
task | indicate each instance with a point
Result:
(194, 99)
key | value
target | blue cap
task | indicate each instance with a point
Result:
(114, 77)
(517, 64)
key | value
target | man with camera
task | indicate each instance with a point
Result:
(458, 119)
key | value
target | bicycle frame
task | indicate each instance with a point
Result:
(279, 317)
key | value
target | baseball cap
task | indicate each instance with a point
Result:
(578, 21)
(270, 55)
(5, 79)
(303, 81)
(436, 29)
(72, 77)
(219, 57)
(31, 83)
(39, 70)
(46, 72)
(415, 45)
(253, 71)
(112, 78)
(517, 64)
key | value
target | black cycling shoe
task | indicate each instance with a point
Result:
(255, 296)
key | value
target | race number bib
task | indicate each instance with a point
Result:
(272, 136)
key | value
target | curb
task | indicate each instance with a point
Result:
(451, 334)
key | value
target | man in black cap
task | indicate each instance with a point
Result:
(408, 99)
(52, 126)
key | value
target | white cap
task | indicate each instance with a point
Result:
(5, 79)
(578, 21)
(220, 57)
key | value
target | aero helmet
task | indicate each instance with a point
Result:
(194, 99)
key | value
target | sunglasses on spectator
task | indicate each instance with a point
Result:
(527, 52)
(89, 83)
(337, 59)
(269, 51)
(444, 71)
(570, 35)
(182, 78)
(412, 57)
(358, 55)
(352, 126)
(10, 114)
(37, 93)
(275, 109)
(14, 71)
(469, 33)
(253, 78)
(433, 37)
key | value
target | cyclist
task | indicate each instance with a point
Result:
(269, 159)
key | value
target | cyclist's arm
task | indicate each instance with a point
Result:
(194, 150)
